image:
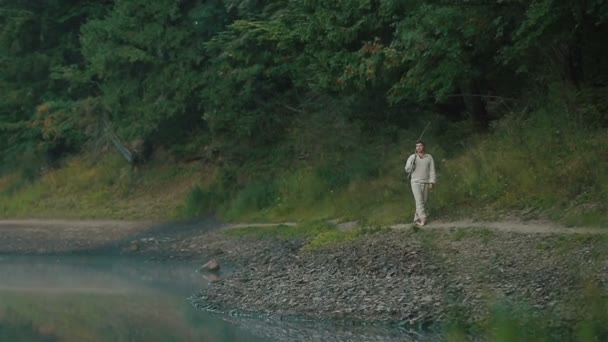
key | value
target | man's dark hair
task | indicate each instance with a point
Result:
(421, 143)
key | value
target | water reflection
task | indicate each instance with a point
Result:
(104, 299)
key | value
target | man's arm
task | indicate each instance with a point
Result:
(409, 164)
(432, 171)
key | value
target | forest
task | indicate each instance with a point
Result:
(316, 104)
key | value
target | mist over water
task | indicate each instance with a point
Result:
(104, 299)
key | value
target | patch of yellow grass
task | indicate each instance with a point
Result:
(106, 189)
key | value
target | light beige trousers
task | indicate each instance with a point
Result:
(421, 194)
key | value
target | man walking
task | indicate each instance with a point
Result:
(421, 169)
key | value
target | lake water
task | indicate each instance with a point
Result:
(105, 299)
(119, 299)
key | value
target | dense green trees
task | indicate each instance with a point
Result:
(146, 60)
(242, 75)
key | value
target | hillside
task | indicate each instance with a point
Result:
(299, 110)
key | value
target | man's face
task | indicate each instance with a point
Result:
(419, 148)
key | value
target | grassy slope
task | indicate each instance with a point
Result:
(107, 189)
(543, 165)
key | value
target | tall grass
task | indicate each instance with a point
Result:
(108, 188)
(584, 321)
(326, 191)
(535, 165)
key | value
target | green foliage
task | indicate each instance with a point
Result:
(485, 235)
(244, 74)
(148, 68)
(305, 106)
(510, 321)
(333, 237)
(35, 40)
(307, 230)
(443, 45)
(208, 200)
(338, 175)
(319, 234)
(556, 31)
(591, 326)
(103, 187)
(539, 162)
(198, 202)
(254, 197)
(245, 91)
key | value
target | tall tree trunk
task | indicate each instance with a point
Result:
(115, 139)
(574, 62)
(475, 104)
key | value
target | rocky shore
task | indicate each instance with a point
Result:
(412, 279)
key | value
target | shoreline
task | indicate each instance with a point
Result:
(417, 280)
(412, 279)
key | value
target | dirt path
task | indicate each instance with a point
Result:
(252, 225)
(42, 236)
(532, 227)
(49, 236)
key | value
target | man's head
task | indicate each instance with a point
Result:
(420, 147)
